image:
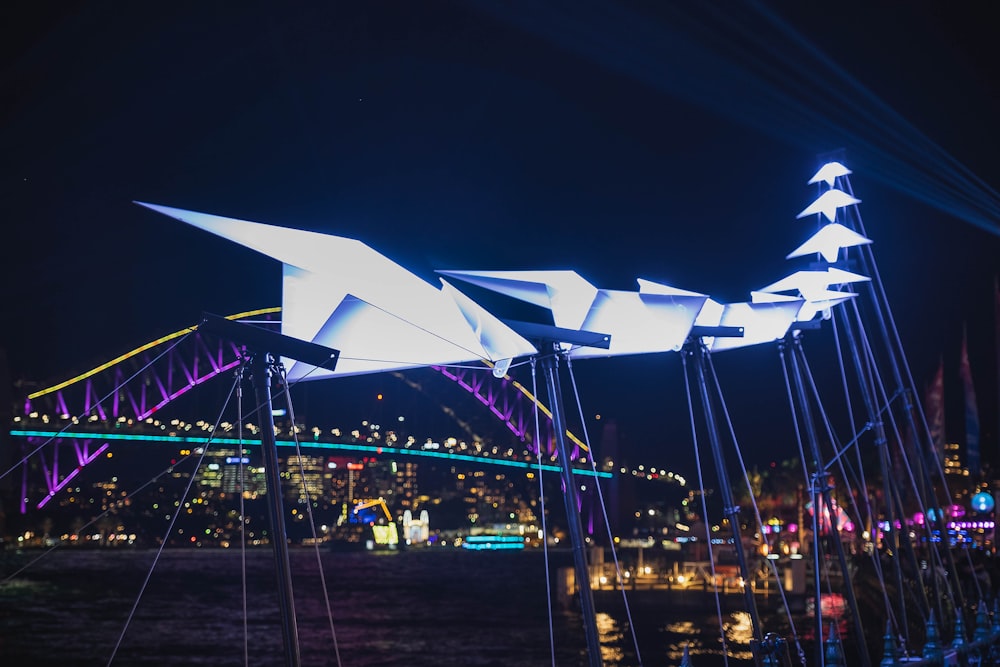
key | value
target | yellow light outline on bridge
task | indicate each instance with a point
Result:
(143, 348)
(541, 406)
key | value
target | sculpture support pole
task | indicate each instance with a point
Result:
(261, 365)
(731, 510)
(892, 535)
(550, 367)
(821, 491)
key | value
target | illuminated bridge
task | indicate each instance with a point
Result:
(58, 431)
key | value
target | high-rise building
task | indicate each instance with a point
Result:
(407, 488)
(225, 471)
(952, 460)
(303, 478)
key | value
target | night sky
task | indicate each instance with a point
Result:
(667, 141)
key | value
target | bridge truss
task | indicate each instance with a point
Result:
(134, 387)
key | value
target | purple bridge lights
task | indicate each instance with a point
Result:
(68, 426)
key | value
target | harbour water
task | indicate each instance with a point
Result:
(439, 607)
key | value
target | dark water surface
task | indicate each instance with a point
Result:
(440, 608)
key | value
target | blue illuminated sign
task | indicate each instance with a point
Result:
(983, 502)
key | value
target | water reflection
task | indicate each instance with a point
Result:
(611, 636)
(736, 627)
(739, 632)
(420, 609)
(692, 641)
(833, 608)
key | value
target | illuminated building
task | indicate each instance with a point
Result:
(304, 478)
(416, 531)
(952, 460)
(406, 484)
(222, 469)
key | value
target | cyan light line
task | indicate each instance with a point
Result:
(341, 446)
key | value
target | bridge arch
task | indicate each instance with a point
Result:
(135, 386)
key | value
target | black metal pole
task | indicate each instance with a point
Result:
(817, 571)
(882, 448)
(822, 489)
(550, 367)
(730, 510)
(261, 365)
(897, 356)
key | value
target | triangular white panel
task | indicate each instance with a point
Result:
(829, 173)
(711, 314)
(650, 287)
(828, 203)
(494, 335)
(761, 322)
(296, 247)
(812, 284)
(841, 277)
(371, 341)
(822, 304)
(771, 297)
(640, 323)
(567, 294)
(829, 241)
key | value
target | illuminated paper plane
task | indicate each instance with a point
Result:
(651, 320)
(828, 203)
(342, 294)
(566, 293)
(771, 297)
(813, 284)
(814, 287)
(829, 241)
(829, 173)
(761, 323)
(822, 301)
(822, 304)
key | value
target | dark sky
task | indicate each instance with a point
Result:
(668, 141)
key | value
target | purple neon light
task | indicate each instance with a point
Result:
(510, 412)
(183, 390)
(24, 489)
(66, 480)
(50, 478)
(489, 400)
(91, 401)
(61, 404)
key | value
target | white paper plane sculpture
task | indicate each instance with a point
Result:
(828, 203)
(761, 322)
(829, 241)
(342, 294)
(638, 322)
(657, 318)
(829, 173)
(814, 287)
